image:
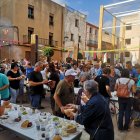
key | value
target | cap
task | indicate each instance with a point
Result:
(70, 72)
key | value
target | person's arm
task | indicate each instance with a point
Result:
(12, 79)
(133, 88)
(31, 83)
(5, 82)
(108, 88)
(4, 87)
(58, 102)
(86, 116)
(116, 87)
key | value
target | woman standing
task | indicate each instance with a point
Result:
(112, 79)
(54, 79)
(125, 103)
(14, 78)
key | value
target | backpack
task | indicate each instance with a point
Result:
(122, 90)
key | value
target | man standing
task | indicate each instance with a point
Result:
(4, 87)
(64, 93)
(132, 71)
(36, 86)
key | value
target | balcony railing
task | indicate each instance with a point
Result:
(26, 39)
(47, 42)
(92, 43)
(41, 41)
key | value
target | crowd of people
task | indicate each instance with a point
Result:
(90, 107)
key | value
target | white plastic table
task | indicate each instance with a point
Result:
(32, 133)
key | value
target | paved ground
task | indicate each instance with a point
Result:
(133, 134)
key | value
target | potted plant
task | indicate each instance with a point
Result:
(48, 52)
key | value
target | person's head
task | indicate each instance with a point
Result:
(106, 71)
(125, 73)
(129, 65)
(13, 61)
(85, 76)
(75, 65)
(90, 88)
(85, 68)
(112, 70)
(14, 66)
(61, 68)
(29, 65)
(103, 65)
(56, 64)
(96, 65)
(39, 66)
(70, 75)
(51, 67)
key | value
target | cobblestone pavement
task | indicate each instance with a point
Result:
(133, 134)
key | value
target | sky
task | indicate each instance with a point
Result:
(89, 7)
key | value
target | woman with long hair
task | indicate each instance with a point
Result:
(125, 103)
(54, 79)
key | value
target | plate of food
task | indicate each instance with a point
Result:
(18, 119)
(55, 119)
(71, 128)
(26, 124)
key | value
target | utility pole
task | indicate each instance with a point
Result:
(100, 31)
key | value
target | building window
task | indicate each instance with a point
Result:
(106, 33)
(30, 32)
(76, 23)
(127, 41)
(90, 30)
(30, 11)
(51, 19)
(51, 40)
(127, 54)
(96, 32)
(72, 37)
(79, 39)
(128, 27)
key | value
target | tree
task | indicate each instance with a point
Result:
(48, 52)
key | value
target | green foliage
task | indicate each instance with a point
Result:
(64, 50)
(80, 56)
(48, 52)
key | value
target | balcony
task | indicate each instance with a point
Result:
(47, 42)
(26, 39)
(41, 41)
(92, 43)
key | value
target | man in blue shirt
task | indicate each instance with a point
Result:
(4, 87)
(132, 71)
